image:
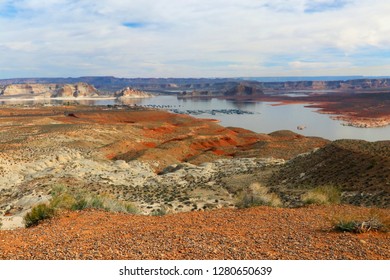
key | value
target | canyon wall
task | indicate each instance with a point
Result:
(49, 90)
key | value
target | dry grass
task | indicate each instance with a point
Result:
(322, 195)
(256, 195)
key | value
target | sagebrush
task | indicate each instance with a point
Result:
(65, 199)
(257, 195)
(37, 214)
(322, 195)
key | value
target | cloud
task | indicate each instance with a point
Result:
(193, 37)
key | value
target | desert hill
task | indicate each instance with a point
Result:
(361, 169)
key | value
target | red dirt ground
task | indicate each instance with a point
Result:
(255, 233)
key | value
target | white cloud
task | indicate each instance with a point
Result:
(168, 37)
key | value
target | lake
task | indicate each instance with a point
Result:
(264, 118)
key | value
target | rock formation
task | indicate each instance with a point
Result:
(244, 90)
(77, 90)
(28, 89)
(50, 90)
(131, 93)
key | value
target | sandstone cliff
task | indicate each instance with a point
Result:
(131, 93)
(76, 90)
(28, 89)
(50, 90)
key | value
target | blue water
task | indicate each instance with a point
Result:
(265, 118)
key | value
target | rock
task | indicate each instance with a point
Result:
(131, 93)
(244, 90)
(51, 90)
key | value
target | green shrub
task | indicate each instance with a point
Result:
(160, 211)
(63, 198)
(375, 220)
(58, 190)
(115, 205)
(96, 202)
(63, 201)
(37, 214)
(79, 204)
(322, 195)
(257, 195)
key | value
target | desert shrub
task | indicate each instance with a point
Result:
(63, 201)
(256, 195)
(322, 195)
(96, 202)
(160, 211)
(37, 214)
(131, 208)
(114, 205)
(58, 190)
(63, 198)
(80, 204)
(375, 220)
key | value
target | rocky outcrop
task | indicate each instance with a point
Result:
(28, 89)
(228, 90)
(76, 90)
(244, 90)
(50, 90)
(132, 93)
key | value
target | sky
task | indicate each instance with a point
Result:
(194, 38)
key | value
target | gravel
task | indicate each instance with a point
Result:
(255, 233)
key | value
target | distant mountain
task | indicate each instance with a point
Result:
(113, 84)
(311, 78)
(217, 86)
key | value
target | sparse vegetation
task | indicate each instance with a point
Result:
(64, 199)
(322, 195)
(37, 214)
(374, 221)
(256, 195)
(162, 211)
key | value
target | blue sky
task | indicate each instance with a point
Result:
(194, 38)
